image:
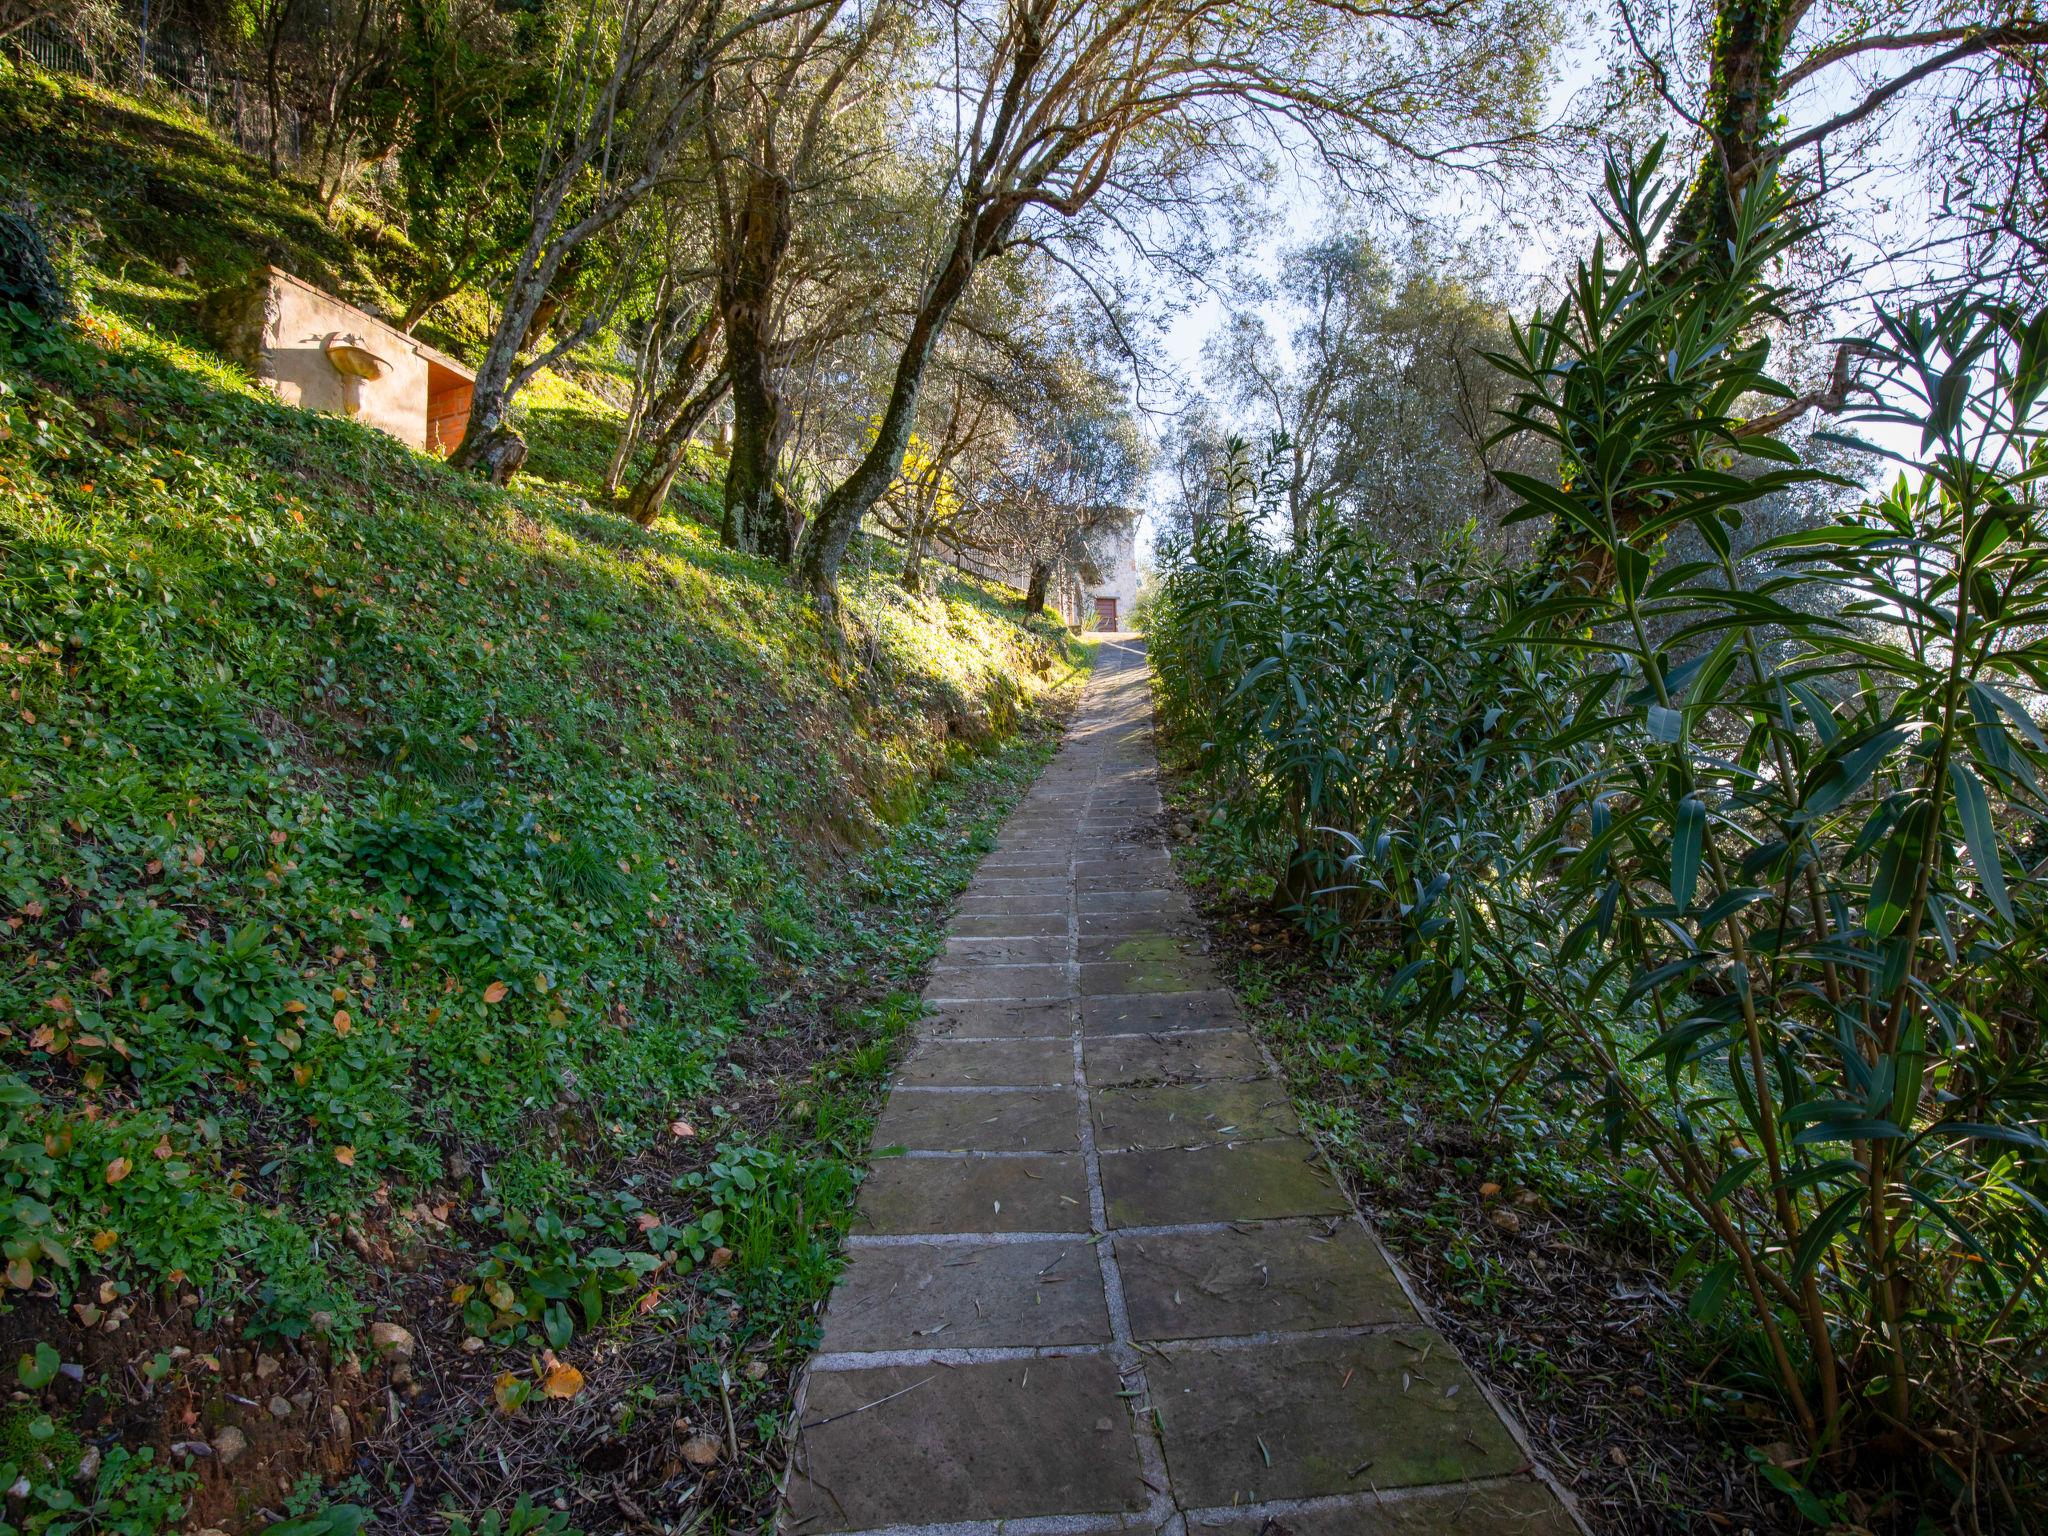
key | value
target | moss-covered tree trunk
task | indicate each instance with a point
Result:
(755, 517)
(1744, 84)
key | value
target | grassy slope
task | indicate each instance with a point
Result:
(156, 212)
(424, 900)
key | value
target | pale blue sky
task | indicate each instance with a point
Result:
(1299, 206)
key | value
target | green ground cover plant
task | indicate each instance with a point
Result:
(1736, 855)
(417, 894)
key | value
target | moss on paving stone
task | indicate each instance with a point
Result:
(1255, 1181)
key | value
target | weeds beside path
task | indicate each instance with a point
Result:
(680, 1414)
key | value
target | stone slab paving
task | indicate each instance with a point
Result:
(1098, 1280)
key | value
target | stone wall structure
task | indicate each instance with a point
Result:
(321, 354)
(1108, 570)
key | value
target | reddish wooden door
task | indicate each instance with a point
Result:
(1105, 612)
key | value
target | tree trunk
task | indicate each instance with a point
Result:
(499, 456)
(839, 516)
(490, 401)
(661, 412)
(343, 80)
(1034, 593)
(273, 91)
(915, 538)
(755, 518)
(646, 369)
(552, 300)
(679, 415)
(548, 249)
(644, 502)
(1746, 69)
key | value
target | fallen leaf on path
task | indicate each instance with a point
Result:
(562, 1381)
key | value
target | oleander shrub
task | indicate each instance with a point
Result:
(1738, 845)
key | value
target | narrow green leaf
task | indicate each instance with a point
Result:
(1973, 808)
(1686, 840)
(1898, 872)
(1712, 1295)
(1817, 1238)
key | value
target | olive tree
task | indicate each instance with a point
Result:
(628, 92)
(1046, 107)
(1075, 460)
(775, 145)
(1381, 404)
(1007, 364)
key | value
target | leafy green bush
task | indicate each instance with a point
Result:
(1744, 856)
(27, 276)
(1307, 677)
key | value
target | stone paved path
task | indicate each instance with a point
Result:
(1105, 1284)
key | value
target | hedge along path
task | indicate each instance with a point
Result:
(1100, 1281)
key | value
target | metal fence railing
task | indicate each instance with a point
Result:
(51, 48)
(237, 107)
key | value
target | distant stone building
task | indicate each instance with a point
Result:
(1093, 583)
(1104, 585)
(323, 355)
